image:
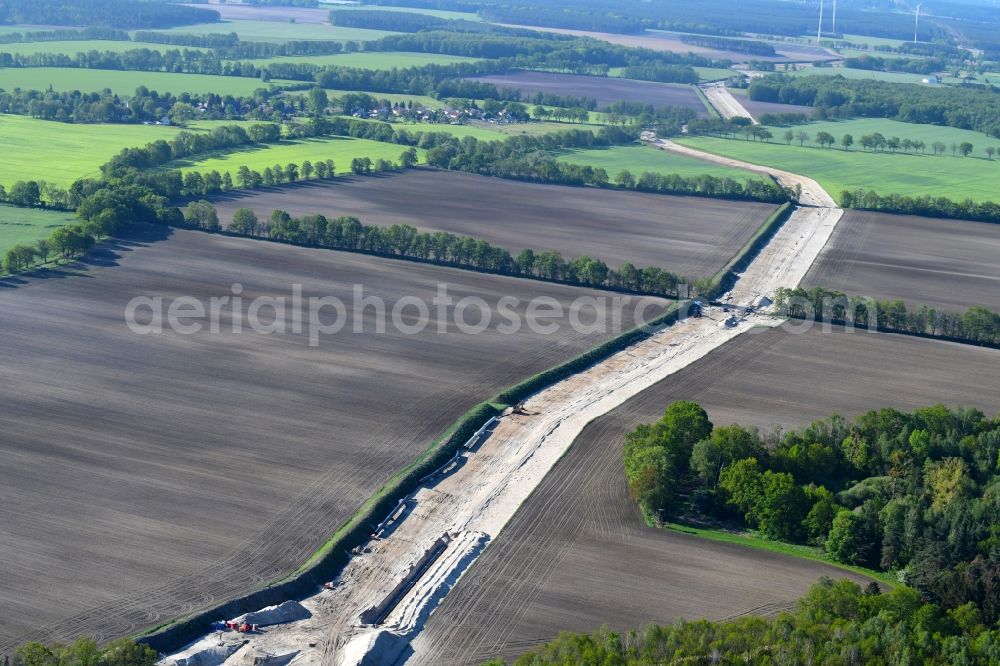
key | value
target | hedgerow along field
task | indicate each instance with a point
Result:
(25, 226)
(71, 48)
(950, 265)
(242, 451)
(688, 236)
(581, 525)
(913, 173)
(640, 159)
(369, 60)
(341, 149)
(282, 31)
(65, 79)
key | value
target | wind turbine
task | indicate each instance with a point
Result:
(916, 23)
(833, 28)
(819, 29)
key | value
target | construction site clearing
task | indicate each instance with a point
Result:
(416, 555)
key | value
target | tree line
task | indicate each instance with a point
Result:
(66, 35)
(123, 14)
(904, 492)
(752, 189)
(389, 21)
(749, 46)
(144, 106)
(103, 209)
(837, 97)
(977, 325)
(911, 65)
(926, 206)
(729, 17)
(834, 623)
(526, 49)
(519, 158)
(405, 241)
(84, 652)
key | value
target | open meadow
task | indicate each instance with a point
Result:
(187, 468)
(27, 225)
(848, 73)
(688, 236)
(640, 159)
(66, 79)
(908, 173)
(340, 149)
(577, 555)
(606, 90)
(950, 265)
(60, 153)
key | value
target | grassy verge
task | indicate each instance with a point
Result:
(708, 105)
(723, 278)
(794, 550)
(330, 558)
(638, 159)
(404, 481)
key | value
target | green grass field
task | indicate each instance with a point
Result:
(372, 59)
(713, 73)
(639, 159)
(27, 225)
(274, 31)
(835, 169)
(753, 540)
(60, 152)
(71, 48)
(125, 82)
(339, 149)
(891, 77)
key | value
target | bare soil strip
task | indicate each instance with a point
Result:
(484, 492)
(724, 102)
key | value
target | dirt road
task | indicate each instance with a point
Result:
(724, 102)
(785, 261)
(469, 503)
(812, 193)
